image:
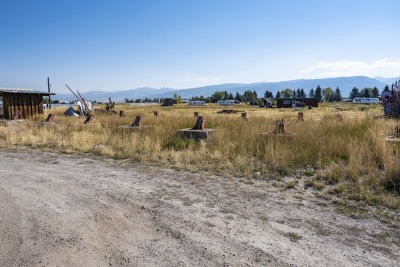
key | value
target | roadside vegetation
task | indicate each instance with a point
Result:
(348, 159)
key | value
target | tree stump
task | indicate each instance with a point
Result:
(89, 119)
(339, 116)
(121, 113)
(138, 121)
(50, 118)
(156, 114)
(397, 131)
(199, 124)
(300, 116)
(196, 114)
(280, 127)
(244, 115)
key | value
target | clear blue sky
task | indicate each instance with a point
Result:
(118, 45)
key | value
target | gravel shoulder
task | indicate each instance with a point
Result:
(63, 209)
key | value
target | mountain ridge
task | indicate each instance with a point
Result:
(344, 83)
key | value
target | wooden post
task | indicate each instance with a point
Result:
(397, 131)
(50, 118)
(200, 123)
(121, 113)
(244, 115)
(138, 121)
(89, 119)
(300, 116)
(280, 127)
(48, 88)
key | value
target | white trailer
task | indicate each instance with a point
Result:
(196, 103)
(365, 100)
(226, 102)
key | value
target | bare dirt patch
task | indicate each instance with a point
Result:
(60, 209)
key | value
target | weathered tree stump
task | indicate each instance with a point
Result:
(244, 115)
(280, 127)
(156, 114)
(89, 119)
(300, 116)
(397, 131)
(121, 113)
(138, 121)
(339, 116)
(196, 114)
(50, 118)
(199, 124)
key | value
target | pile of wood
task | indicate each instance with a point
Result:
(109, 107)
(230, 111)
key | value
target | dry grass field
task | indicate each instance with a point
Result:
(350, 159)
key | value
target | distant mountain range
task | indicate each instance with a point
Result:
(344, 83)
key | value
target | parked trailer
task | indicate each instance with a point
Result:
(226, 102)
(365, 100)
(196, 103)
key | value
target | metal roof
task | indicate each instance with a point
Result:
(23, 91)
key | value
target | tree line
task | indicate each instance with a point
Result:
(327, 94)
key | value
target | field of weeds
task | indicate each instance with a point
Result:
(349, 158)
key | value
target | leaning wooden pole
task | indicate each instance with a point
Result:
(48, 88)
(86, 105)
(73, 92)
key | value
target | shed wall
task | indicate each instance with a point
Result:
(28, 105)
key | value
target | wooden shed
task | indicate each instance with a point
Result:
(25, 101)
(298, 102)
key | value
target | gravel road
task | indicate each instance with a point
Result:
(79, 210)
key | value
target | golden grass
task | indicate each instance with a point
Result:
(351, 152)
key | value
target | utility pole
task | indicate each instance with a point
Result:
(48, 87)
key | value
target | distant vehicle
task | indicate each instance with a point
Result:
(226, 102)
(196, 103)
(365, 100)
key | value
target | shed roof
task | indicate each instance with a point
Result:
(23, 91)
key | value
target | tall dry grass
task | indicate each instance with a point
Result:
(352, 151)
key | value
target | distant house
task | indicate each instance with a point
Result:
(267, 102)
(25, 102)
(298, 102)
(169, 102)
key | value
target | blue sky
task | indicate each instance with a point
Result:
(120, 45)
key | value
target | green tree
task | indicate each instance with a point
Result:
(302, 94)
(247, 96)
(387, 88)
(230, 97)
(328, 94)
(311, 93)
(268, 94)
(338, 95)
(318, 92)
(354, 93)
(298, 93)
(226, 95)
(238, 97)
(287, 93)
(218, 95)
(278, 95)
(366, 92)
(375, 92)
